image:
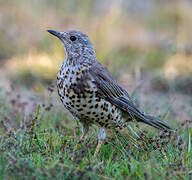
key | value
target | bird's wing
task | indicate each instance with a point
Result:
(112, 92)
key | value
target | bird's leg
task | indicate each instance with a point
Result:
(84, 132)
(98, 147)
(101, 137)
(132, 131)
(79, 142)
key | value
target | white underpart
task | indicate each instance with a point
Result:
(102, 134)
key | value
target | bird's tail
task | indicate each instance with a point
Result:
(155, 122)
(133, 113)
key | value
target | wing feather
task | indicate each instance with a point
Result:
(112, 92)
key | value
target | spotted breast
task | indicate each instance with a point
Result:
(79, 95)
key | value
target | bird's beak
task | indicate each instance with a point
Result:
(55, 33)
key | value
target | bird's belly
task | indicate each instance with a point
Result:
(87, 106)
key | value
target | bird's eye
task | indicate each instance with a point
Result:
(73, 38)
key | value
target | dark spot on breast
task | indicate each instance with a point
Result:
(67, 73)
(98, 100)
(77, 78)
(68, 107)
(72, 97)
(68, 91)
(106, 105)
(96, 105)
(90, 101)
(89, 91)
(106, 125)
(84, 96)
(61, 84)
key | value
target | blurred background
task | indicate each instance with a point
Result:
(146, 45)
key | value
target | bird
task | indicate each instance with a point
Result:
(91, 94)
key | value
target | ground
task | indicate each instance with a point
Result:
(146, 45)
(38, 137)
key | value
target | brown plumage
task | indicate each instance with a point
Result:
(112, 92)
(90, 93)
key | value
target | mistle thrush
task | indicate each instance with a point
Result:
(90, 93)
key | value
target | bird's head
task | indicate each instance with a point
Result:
(76, 44)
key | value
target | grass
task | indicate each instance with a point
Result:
(39, 146)
(36, 142)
